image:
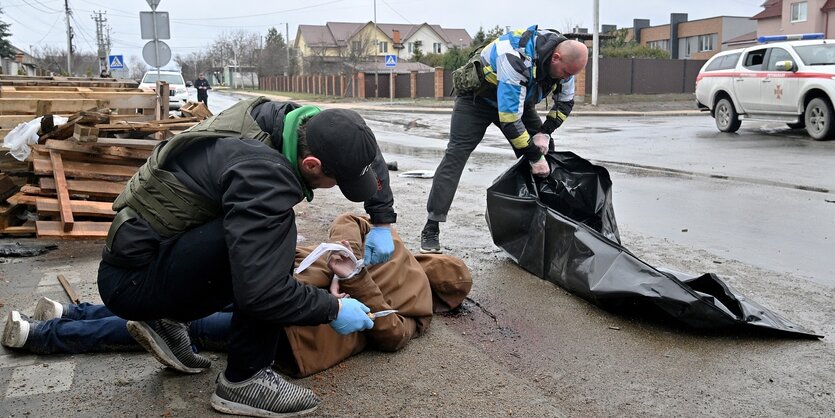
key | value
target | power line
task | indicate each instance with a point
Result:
(396, 12)
(40, 10)
(50, 29)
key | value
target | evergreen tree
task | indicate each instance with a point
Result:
(6, 49)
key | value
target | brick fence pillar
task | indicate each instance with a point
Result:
(413, 84)
(341, 91)
(580, 84)
(439, 82)
(392, 84)
(360, 85)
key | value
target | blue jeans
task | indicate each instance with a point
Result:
(89, 328)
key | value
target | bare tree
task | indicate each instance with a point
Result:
(194, 63)
(54, 60)
(136, 68)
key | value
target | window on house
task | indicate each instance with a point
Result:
(410, 47)
(706, 42)
(798, 11)
(382, 47)
(436, 48)
(661, 44)
(356, 47)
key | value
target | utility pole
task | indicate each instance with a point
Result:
(287, 47)
(376, 80)
(101, 39)
(69, 37)
(596, 50)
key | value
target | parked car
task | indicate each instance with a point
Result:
(789, 81)
(178, 95)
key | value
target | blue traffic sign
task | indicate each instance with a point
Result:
(391, 60)
(116, 62)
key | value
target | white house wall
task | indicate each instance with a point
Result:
(427, 37)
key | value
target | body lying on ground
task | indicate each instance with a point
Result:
(416, 286)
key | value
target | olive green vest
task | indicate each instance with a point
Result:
(166, 203)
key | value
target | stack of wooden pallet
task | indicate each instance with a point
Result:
(77, 171)
(24, 98)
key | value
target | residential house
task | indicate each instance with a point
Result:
(696, 39)
(326, 48)
(788, 17)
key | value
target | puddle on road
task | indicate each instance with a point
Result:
(593, 130)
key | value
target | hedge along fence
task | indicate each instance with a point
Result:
(361, 85)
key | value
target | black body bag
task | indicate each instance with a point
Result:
(563, 229)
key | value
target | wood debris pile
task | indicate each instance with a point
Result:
(66, 187)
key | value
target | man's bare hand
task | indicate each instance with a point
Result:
(340, 264)
(334, 289)
(541, 168)
(542, 141)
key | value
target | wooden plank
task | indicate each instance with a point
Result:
(22, 230)
(118, 100)
(93, 188)
(49, 206)
(7, 187)
(40, 151)
(61, 189)
(68, 288)
(42, 167)
(148, 144)
(143, 127)
(8, 214)
(20, 198)
(83, 133)
(71, 89)
(52, 229)
(97, 149)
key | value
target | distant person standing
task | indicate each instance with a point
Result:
(203, 87)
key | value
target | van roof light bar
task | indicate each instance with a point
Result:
(795, 37)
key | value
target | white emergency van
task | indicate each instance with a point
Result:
(788, 81)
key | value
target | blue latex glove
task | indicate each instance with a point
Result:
(379, 245)
(352, 317)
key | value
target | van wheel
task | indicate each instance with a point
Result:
(727, 120)
(819, 123)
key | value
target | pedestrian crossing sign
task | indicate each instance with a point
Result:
(116, 62)
(391, 60)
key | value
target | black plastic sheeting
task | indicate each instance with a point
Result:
(563, 229)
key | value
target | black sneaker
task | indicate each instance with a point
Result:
(169, 342)
(429, 239)
(264, 395)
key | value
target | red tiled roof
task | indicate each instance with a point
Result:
(773, 8)
(829, 5)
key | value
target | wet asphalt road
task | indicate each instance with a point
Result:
(753, 207)
(763, 195)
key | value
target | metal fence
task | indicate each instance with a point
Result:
(644, 76)
(617, 76)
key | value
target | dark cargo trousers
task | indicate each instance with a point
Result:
(471, 116)
(190, 278)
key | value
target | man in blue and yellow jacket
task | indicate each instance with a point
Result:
(517, 70)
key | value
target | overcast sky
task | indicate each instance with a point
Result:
(195, 23)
